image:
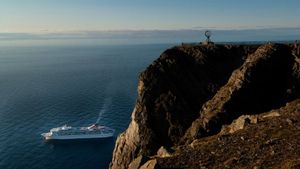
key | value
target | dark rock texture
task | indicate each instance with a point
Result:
(264, 81)
(273, 142)
(191, 92)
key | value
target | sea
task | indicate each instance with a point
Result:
(42, 87)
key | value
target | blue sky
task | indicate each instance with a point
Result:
(91, 15)
(147, 21)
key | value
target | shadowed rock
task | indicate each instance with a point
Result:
(272, 142)
(263, 82)
(222, 82)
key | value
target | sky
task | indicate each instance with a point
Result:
(81, 16)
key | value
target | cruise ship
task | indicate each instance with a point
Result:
(72, 133)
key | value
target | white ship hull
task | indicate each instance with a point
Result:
(77, 137)
(75, 133)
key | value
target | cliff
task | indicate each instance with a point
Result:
(193, 95)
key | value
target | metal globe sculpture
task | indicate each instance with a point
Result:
(208, 35)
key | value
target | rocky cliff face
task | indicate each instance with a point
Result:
(190, 92)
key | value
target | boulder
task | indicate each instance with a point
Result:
(151, 164)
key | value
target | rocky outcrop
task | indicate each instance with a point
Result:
(272, 142)
(263, 82)
(191, 92)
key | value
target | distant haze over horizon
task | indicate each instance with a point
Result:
(141, 21)
(147, 37)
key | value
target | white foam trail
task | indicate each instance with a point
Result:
(107, 102)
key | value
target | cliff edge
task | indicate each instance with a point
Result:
(194, 95)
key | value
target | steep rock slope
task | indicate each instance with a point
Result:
(221, 82)
(271, 141)
(264, 81)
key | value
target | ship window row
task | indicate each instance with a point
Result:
(81, 132)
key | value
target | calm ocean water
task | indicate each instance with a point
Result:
(46, 87)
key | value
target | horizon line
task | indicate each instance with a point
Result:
(149, 30)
